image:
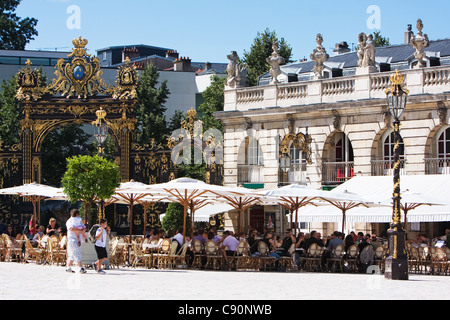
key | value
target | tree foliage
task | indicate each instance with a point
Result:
(260, 50)
(173, 219)
(58, 146)
(11, 113)
(214, 102)
(379, 40)
(150, 108)
(88, 178)
(15, 32)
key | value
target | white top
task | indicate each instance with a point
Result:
(101, 242)
(179, 238)
(230, 242)
(71, 235)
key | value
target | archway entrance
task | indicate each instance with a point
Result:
(73, 98)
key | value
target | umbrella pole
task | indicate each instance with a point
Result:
(184, 223)
(131, 221)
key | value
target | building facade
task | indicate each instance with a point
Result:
(334, 124)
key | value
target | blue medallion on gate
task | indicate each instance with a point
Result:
(78, 73)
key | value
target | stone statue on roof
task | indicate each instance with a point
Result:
(366, 54)
(275, 60)
(234, 71)
(319, 56)
(420, 42)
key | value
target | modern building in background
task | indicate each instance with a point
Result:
(186, 80)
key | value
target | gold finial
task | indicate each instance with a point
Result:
(28, 63)
(80, 43)
(397, 78)
(101, 114)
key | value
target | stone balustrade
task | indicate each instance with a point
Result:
(350, 88)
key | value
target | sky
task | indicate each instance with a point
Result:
(208, 30)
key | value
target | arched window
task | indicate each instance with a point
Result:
(254, 153)
(444, 145)
(388, 148)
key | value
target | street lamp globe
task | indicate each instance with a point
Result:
(101, 128)
(397, 95)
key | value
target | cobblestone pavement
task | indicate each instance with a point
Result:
(30, 281)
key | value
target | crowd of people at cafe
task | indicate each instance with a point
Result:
(227, 241)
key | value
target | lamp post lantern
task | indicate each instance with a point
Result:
(100, 134)
(101, 130)
(396, 267)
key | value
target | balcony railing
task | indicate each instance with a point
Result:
(295, 175)
(437, 166)
(250, 174)
(386, 167)
(335, 173)
(348, 88)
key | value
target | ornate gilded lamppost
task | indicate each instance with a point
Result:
(397, 260)
(100, 134)
(101, 130)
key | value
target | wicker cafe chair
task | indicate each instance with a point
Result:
(351, 258)
(265, 260)
(13, 252)
(114, 253)
(34, 254)
(212, 255)
(199, 254)
(336, 259)
(380, 258)
(313, 258)
(177, 258)
(288, 262)
(414, 260)
(241, 256)
(160, 258)
(439, 262)
(140, 258)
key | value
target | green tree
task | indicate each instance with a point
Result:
(10, 112)
(57, 147)
(173, 219)
(261, 49)
(150, 108)
(15, 32)
(379, 40)
(88, 178)
(214, 102)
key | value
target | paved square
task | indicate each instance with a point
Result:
(31, 282)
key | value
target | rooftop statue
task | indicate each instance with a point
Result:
(234, 71)
(367, 50)
(275, 60)
(319, 56)
(420, 42)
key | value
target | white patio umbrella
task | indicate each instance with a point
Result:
(34, 191)
(292, 197)
(190, 193)
(134, 193)
(242, 200)
(411, 200)
(345, 201)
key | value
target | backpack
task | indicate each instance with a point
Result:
(92, 232)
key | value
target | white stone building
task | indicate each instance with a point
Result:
(345, 115)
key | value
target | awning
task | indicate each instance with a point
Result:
(437, 186)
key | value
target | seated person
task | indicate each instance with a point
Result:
(230, 242)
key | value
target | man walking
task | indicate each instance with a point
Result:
(74, 253)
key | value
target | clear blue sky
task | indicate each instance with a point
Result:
(207, 30)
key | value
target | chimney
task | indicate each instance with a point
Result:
(131, 53)
(207, 65)
(182, 64)
(172, 54)
(341, 48)
(408, 34)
